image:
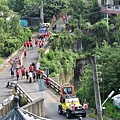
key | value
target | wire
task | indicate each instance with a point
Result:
(30, 13)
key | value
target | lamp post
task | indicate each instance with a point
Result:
(108, 97)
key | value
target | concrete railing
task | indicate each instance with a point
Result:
(6, 108)
(36, 107)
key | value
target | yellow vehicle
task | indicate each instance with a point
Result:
(69, 103)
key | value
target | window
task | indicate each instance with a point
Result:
(103, 2)
(67, 90)
(116, 2)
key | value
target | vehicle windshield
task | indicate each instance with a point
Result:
(72, 99)
(43, 30)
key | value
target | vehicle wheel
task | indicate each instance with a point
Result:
(60, 110)
(84, 115)
(68, 114)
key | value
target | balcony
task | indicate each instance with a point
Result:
(111, 9)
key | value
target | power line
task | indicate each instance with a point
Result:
(30, 12)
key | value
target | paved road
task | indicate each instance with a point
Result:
(51, 100)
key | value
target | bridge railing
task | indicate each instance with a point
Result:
(19, 90)
(53, 84)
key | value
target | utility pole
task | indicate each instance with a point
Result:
(41, 12)
(96, 88)
(107, 14)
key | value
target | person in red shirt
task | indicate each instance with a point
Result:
(25, 53)
(23, 71)
(28, 44)
(31, 68)
(36, 41)
(47, 81)
(31, 45)
(63, 17)
(25, 44)
(17, 73)
(40, 44)
(39, 72)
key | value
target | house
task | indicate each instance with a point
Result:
(111, 7)
(18, 113)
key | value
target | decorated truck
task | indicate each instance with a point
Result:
(69, 104)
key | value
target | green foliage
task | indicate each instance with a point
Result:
(23, 100)
(58, 61)
(111, 111)
(1, 61)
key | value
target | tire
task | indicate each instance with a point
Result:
(84, 114)
(60, 110)
(68, 114)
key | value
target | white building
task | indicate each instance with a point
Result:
(112, 7)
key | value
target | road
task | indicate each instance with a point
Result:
(51, 99)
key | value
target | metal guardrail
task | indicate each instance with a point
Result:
(54, 85)
(21, 91)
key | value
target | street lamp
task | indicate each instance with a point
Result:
(108, 97)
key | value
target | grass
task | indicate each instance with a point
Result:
(92, 115)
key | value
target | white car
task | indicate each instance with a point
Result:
(116, 100)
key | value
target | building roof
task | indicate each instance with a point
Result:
(18, 113)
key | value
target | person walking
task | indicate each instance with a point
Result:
(12, 71)
(23, 72)
(85, 104)
(31, 45)
(17, 73)
(39, 72)
(47, 81)
(25, 44)
(28, 44)
(36, 41)
(34, 76)
(25, 53)
(30, 77)
(27, 76)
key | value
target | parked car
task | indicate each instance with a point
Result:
(116, 100)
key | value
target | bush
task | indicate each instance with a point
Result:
(23, 100)
(112, 111)
(1, 61)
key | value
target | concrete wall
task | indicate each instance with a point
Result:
(36, 107)
(6, 108)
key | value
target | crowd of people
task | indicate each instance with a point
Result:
(30, 74)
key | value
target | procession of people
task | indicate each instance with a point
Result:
(30, 73)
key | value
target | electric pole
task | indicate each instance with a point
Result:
(41, 12)
(96, 88)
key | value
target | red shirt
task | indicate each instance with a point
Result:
(30, 43)
(25, 52)
(40, 44)
(23, 71)
(36, 40)
(47, 80)
(39, 71)
(17, 72)
(25, 44)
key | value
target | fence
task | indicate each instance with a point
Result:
(36, 107)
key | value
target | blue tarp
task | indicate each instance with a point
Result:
(24, 23)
